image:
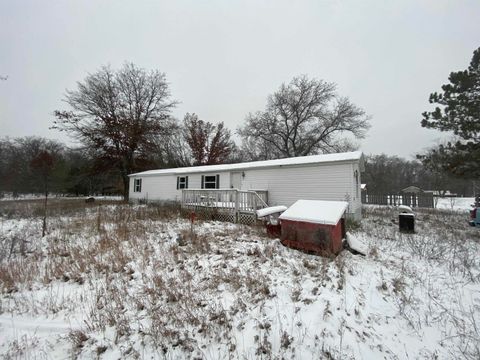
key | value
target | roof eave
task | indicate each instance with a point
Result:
(179, 171)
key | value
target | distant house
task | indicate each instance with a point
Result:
(441, 193)
(315, 177)
(412, 190)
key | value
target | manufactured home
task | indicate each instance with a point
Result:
(252, 185)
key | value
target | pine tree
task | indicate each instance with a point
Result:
(457, 111)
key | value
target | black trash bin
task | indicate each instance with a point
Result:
(406, 222)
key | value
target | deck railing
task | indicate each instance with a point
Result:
(226, 204)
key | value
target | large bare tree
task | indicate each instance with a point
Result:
(120, 114)
(209, 144)
(303, 117)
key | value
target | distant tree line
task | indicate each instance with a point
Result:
(390, 174)
(27, 163)
(79, 172)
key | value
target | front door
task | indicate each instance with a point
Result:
(236, 180)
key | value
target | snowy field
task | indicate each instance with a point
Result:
(37, 196)
(455, 203)
(116, 281)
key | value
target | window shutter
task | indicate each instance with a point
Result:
(203, 181)
(186, 182)
(217, 182)
(178, 182)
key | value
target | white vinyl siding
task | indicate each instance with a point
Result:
(156, 188)
(286, 185)
(164, 187)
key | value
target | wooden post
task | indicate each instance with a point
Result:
(237, 215)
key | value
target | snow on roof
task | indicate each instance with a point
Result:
(316, 211)
(300, 160)
(271, 210)
(412, 189)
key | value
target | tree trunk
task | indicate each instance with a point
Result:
(128, 163)
(126, 184)
(44, 225)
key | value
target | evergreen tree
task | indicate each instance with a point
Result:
(457, 111)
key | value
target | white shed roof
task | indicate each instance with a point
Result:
(300, 160)
(316, 211)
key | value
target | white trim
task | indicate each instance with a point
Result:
(214, 182)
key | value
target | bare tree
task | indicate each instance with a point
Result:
(209, 143)
(255, 148)
(304, 117)
(16, 156)
(172, 150)
(120, 114)
(43, 165)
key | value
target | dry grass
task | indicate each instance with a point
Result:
(134, 278)
(443, 240)
(171, 295)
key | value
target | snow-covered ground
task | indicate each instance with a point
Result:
(455, 203)
(119, 281)
(37, 196)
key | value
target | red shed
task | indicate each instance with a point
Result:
(314, 225)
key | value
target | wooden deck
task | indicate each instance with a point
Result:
(233, 205)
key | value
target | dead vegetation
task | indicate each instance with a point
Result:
(443, 250)
(142, 278)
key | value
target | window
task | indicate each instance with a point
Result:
(210, 181)
(182, 182)
(137, 185)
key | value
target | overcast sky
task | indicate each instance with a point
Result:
(223, 58)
